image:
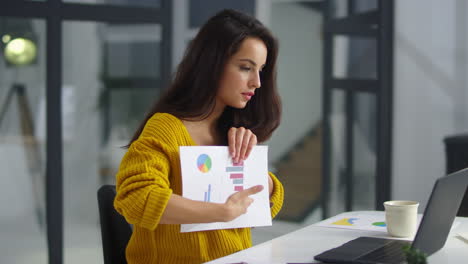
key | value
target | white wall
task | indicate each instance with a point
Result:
(299, 73)
(430, 83)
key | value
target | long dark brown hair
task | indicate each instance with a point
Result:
(192, 93)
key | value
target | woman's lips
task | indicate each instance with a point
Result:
(248, 96)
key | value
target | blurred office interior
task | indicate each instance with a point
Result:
(370, 89)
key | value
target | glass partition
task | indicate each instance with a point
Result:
(337, 180)
(22, 141)
(111, 76)
(341, 8)
(201, 11)
(364, 152)
(361, 63)
(295, 148)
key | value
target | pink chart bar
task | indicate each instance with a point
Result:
(238, 163)
(236, 176)
(238, 188)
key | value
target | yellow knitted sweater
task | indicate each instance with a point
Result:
(149, 173)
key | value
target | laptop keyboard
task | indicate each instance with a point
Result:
(392, 252)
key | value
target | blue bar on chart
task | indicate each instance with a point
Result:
(234, 169)
(208, 194)
(238, 181)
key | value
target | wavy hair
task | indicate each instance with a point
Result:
(193, 90)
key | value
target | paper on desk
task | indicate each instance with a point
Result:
(463, 236)
(208, 174)
(365, 221)
(359, 221)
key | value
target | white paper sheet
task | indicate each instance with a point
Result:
(208, 174)
(463, 236)
(364, 220)
(360, 221)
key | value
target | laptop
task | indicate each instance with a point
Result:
(438, 217)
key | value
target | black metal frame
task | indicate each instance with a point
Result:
(326, 110)
(55, 12)
(385, 102)
(376, 24)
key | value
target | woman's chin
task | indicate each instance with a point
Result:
(239, 106)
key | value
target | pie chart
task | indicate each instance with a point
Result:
(204, 163)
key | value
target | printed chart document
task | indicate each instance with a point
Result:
(360, 220)
(208, 174)
(366, 220)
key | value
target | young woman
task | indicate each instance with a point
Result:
(224, 93)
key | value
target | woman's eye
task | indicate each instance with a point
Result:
(244, 68)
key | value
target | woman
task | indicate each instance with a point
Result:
(224, 93)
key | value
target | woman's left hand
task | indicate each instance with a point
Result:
(241, 141)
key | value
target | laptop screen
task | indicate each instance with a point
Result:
(440, 212)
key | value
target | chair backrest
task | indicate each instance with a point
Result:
(456, 155)
(115, 231)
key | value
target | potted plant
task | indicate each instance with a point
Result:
(414, 255)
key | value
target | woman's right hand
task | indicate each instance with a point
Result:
(238, 202)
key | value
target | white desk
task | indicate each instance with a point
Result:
(302, 245)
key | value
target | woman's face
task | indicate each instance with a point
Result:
(241, 76)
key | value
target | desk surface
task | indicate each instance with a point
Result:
(302, 245)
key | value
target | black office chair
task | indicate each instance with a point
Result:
(115, 231)
(456, 153)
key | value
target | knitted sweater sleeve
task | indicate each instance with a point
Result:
(277, 196)
(143, 188)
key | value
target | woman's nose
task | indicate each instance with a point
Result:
(255, 80)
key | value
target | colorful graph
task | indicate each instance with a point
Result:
(237, 175)
(345, 221)
(204, 163)
(381, 224)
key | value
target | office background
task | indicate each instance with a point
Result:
(99, 64)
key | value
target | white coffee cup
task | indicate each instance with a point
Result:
(401, 217)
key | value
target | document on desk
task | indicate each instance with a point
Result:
(209, 175)
(359, 221)
(463, 236)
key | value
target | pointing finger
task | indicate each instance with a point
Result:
(252, 190)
